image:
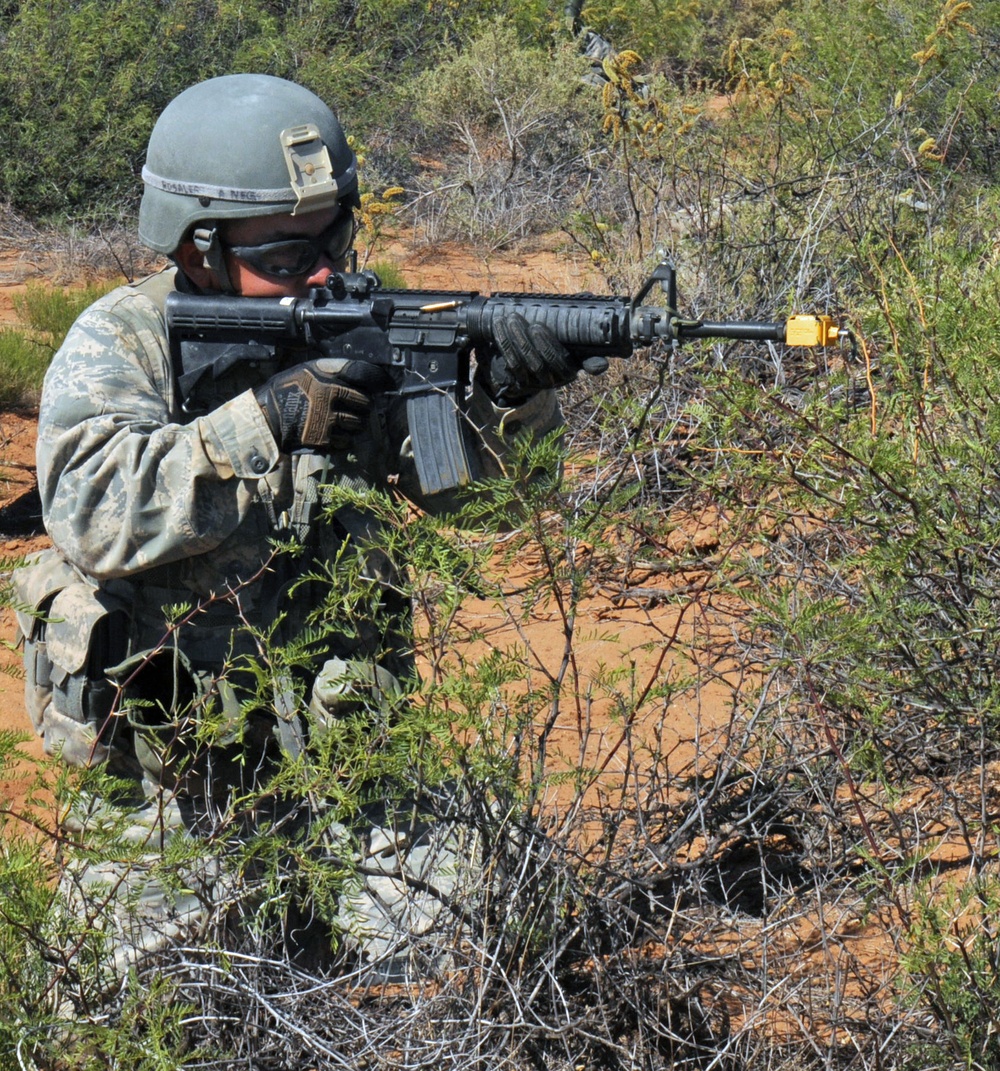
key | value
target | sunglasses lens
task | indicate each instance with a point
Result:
(339, 236)
(297, 256)
(281, 258)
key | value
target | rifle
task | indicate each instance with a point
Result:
(427, 337)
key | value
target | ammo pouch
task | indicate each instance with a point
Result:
(187, 727)
(94, 699)
(162, 697)
(72, 631)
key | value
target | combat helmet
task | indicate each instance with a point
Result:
(238, 146)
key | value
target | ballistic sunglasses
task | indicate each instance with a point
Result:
(297, 256)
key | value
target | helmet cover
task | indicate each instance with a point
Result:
(238, 146)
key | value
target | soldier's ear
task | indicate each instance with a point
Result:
(190, 259)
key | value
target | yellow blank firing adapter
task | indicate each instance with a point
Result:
(805, 330)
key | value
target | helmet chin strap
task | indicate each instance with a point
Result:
(206, 240)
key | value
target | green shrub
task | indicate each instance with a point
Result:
(898, 474)
(953, 971)
(81, 84)
(47, 314)
(515, 122)
(51, 311)
(27, 911)
(22, 368)
(390, 274)
(686, 38)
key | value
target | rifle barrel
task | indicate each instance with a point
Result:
(749, 330)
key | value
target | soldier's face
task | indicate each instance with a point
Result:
(250, 281)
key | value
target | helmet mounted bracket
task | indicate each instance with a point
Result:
(309, 168)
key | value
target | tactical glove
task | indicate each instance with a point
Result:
(321, 404)
(529, 358)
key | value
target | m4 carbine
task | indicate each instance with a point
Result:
(428, 337)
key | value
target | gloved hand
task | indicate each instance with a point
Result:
(529, 358)
(322, 403)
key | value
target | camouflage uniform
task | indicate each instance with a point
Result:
(147, 507)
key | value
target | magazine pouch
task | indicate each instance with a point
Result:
(71, 632)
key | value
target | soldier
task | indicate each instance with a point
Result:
(250, 189)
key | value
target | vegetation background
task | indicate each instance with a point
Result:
(813, 882)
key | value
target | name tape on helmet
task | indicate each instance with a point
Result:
(215, 193)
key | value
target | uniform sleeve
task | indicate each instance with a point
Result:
(125, 486)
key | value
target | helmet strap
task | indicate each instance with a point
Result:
(206, 240)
